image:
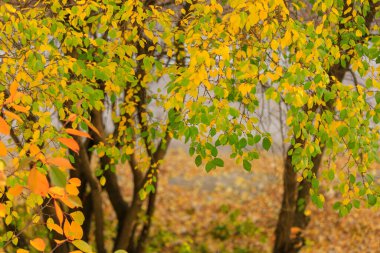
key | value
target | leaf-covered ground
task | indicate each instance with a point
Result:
(230, 210)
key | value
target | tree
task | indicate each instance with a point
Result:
(77, 84)
(321, 122)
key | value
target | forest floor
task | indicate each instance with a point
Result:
(230, 210)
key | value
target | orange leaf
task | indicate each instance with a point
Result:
(59, 212)
(77, 133)
(75, 181)
(38, 244)
(59, 241)
(4, 127)
(56, 192)
(21, 108)
(3, 149)
(37, 182)
(70, 143)
(72, 231)
(34, 149)
(15, 191)
(13, 116)
(3, 210)
(72, 189)
(71, 118)
(90, 125)
(59, 162)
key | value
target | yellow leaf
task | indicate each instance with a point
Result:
(38, 244)
(244, 88)
(70, 143)
(274, 44)
(10, 8)
(78, 217)
(102, 181)
(129, 150)
(37, 182)
(358, 33)
(22, 251)
(319, 29)
(4, 127)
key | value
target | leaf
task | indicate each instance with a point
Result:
(75, 181)
(77, 133)
(82, 245)
(4, 127)
(372, 199)
(78, 217)
(38, 244)
(3, 149)
(60, 162)
(247, 165)
(56, 192)
(198, 160)
(266, 143)
(38, 183)
(59, 212)
(22, 251)
(90, 125)
(15, 190)
(58, 177)
(13, 116)
(218, 162)
(210, 165)
(70, 143)
(342, 131)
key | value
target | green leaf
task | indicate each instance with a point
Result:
(342, 130)
(331, 174)
(256, 139)
(247, 165)
(377, 97)
(82, 245)
(266, 143)
(58, 177)
(198, 160)
(218, 162)
(210, 165)
(372, 199)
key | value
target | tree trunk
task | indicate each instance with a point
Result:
(288, 207)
